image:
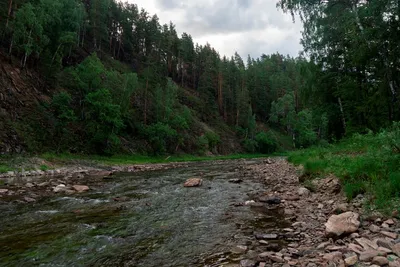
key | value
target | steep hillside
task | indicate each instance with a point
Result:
(21, 91)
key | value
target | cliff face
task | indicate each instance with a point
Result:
(21, 90)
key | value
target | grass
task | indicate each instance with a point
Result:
(141, 159)
(4, 168)
(366, 164)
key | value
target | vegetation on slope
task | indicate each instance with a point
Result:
(366, 164)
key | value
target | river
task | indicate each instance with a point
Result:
(141, 219)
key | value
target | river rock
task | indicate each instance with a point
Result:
(389, 234)
(3, 191)
(247, 263)
(303, 192)
(193, 182)
(239, 250)
(381, 261)
(368, 255)
(266, 236)
(352, 260)
(80, 188)
(236, 181)
(374, 228)
(29, 199)
(345, 223)
(60, 188)
(334, 256)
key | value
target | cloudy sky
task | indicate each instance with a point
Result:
(246, 26)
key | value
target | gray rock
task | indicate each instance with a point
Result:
(3, 191)
(247, 263)
(266, 236)
(368, 255)
(270, 200)
(303, 192)
(239, 250)
(381, 261)
(60, 188)
(352, 260)
(345, 223)
(374, 228)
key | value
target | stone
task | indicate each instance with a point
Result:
(266, 236)
(352, 260)
(322, 246)
(381, 261)
(60, 188)
(340, 208)
(389, 234)
(261, 264)
(394, 264)
(3, 191)
(43, 184)
(193, 182)
(247, 263)
(334, 256)
(29, 199)
(80, 188)
(384, 243)
(368, 255)
(374, 228)
(366, 243)
(274, 200)
(303, 192)
(389, 222)
(236, 181)
(273, 257)
(29, 185)
(385, 225)
(396, 249)
(239, 250)
(345, 223)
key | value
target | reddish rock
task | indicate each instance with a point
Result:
(193, 182)
(80, 188)
(345, 223)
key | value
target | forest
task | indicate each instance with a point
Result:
(122, 82)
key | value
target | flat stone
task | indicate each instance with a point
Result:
(389, 222)
(29, 199)
(236, 181)
(380, 261)
(266, 236)
(247, 263)
(345, 223)
(368, 255)
(352, 260)
(3, 191)
(384, 243)
(29, 185)
(389, 234)
(193, 182)
(366, 243)
(334, 256)
(385, 250)
(396, 249)
(239, 250)
(374, 228)
(80, 188)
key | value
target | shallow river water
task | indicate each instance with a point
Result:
(140, 219)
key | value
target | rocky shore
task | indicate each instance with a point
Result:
(325, 229)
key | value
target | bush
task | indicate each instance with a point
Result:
(213, 140)
(266, 143)
(161, 137)
(202, 144)
(250, 145)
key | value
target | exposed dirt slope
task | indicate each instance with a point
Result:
(20, 92)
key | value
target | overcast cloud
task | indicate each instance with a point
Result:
(247, 26)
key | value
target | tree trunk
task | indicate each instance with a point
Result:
(342, 113)
(145, 102)
(9, 12)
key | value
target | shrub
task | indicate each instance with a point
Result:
(266, 143)
(250, 145)
(161, 136)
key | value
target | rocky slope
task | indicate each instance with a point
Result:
(325, 229)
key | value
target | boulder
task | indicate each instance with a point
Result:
(345, 223)
(193, 182)
(80, 188)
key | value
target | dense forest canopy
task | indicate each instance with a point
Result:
(124, 81)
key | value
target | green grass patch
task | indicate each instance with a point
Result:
(141, 159)
(366, 164)
(4, 168)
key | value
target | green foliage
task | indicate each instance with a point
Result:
(161, 137)
(250, 145)
(266, 143)
(44, 167)
(366, 164)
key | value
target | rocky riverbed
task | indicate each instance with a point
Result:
(278, 222)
